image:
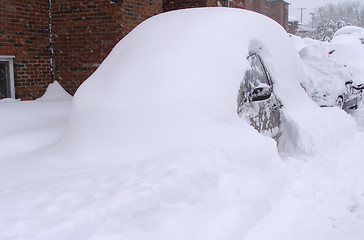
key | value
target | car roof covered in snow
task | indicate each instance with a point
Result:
(183, 68)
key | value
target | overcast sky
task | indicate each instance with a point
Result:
(310, 5)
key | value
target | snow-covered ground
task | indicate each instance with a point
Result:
(161, 154)
(322, 195)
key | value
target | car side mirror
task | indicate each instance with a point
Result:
(261, 92)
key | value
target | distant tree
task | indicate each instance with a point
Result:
(326, 20)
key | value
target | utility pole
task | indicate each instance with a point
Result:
(301, 9)
(312, 16)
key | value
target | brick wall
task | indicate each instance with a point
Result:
(86, 31)
(24, 34)
(256, 5)
(278, 11)
(169, 5)
(293, 27)
(234, 4)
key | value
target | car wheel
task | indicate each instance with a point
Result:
(340, 102)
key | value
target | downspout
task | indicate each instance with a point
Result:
(51, 49)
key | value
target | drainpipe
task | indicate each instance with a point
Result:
(51, 49)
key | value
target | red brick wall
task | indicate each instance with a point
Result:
(256, 5)
(86, 31)
(292, 27)
(278, 11)
(24, 34)
(234, 4)
(169, 5)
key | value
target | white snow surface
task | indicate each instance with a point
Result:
(55, 92)
(151, 146)
(350, 30)
(345, 39)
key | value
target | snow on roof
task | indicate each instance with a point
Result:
(293, 19)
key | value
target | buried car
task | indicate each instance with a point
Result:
(335, 75)
(155, 145)
(184, 66)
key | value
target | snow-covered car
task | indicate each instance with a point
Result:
(349, 34)
(155, 146)
(199, 62)
(335, 74)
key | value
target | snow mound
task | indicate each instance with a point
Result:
(313, 42)
(350, 55)
(350, 30)
(55, 92)
(176, 68)
(345, 39)
(27, 126)
(298, 42)
(8, 100)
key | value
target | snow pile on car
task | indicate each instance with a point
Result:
(325, 78)
(175, 72)
(349, 35)
(330, 65)
(301, 43)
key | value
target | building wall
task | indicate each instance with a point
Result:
(170, 5)
(86, 31)
(24, 34)
(234, 4)
(293, 27)
(256, 5)
(278, 11)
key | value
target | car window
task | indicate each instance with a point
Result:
(258, 74)
(256, 84)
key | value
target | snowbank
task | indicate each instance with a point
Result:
(31, 125)
(298, 42)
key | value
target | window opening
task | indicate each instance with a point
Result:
(6, 77)
(226, 3)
